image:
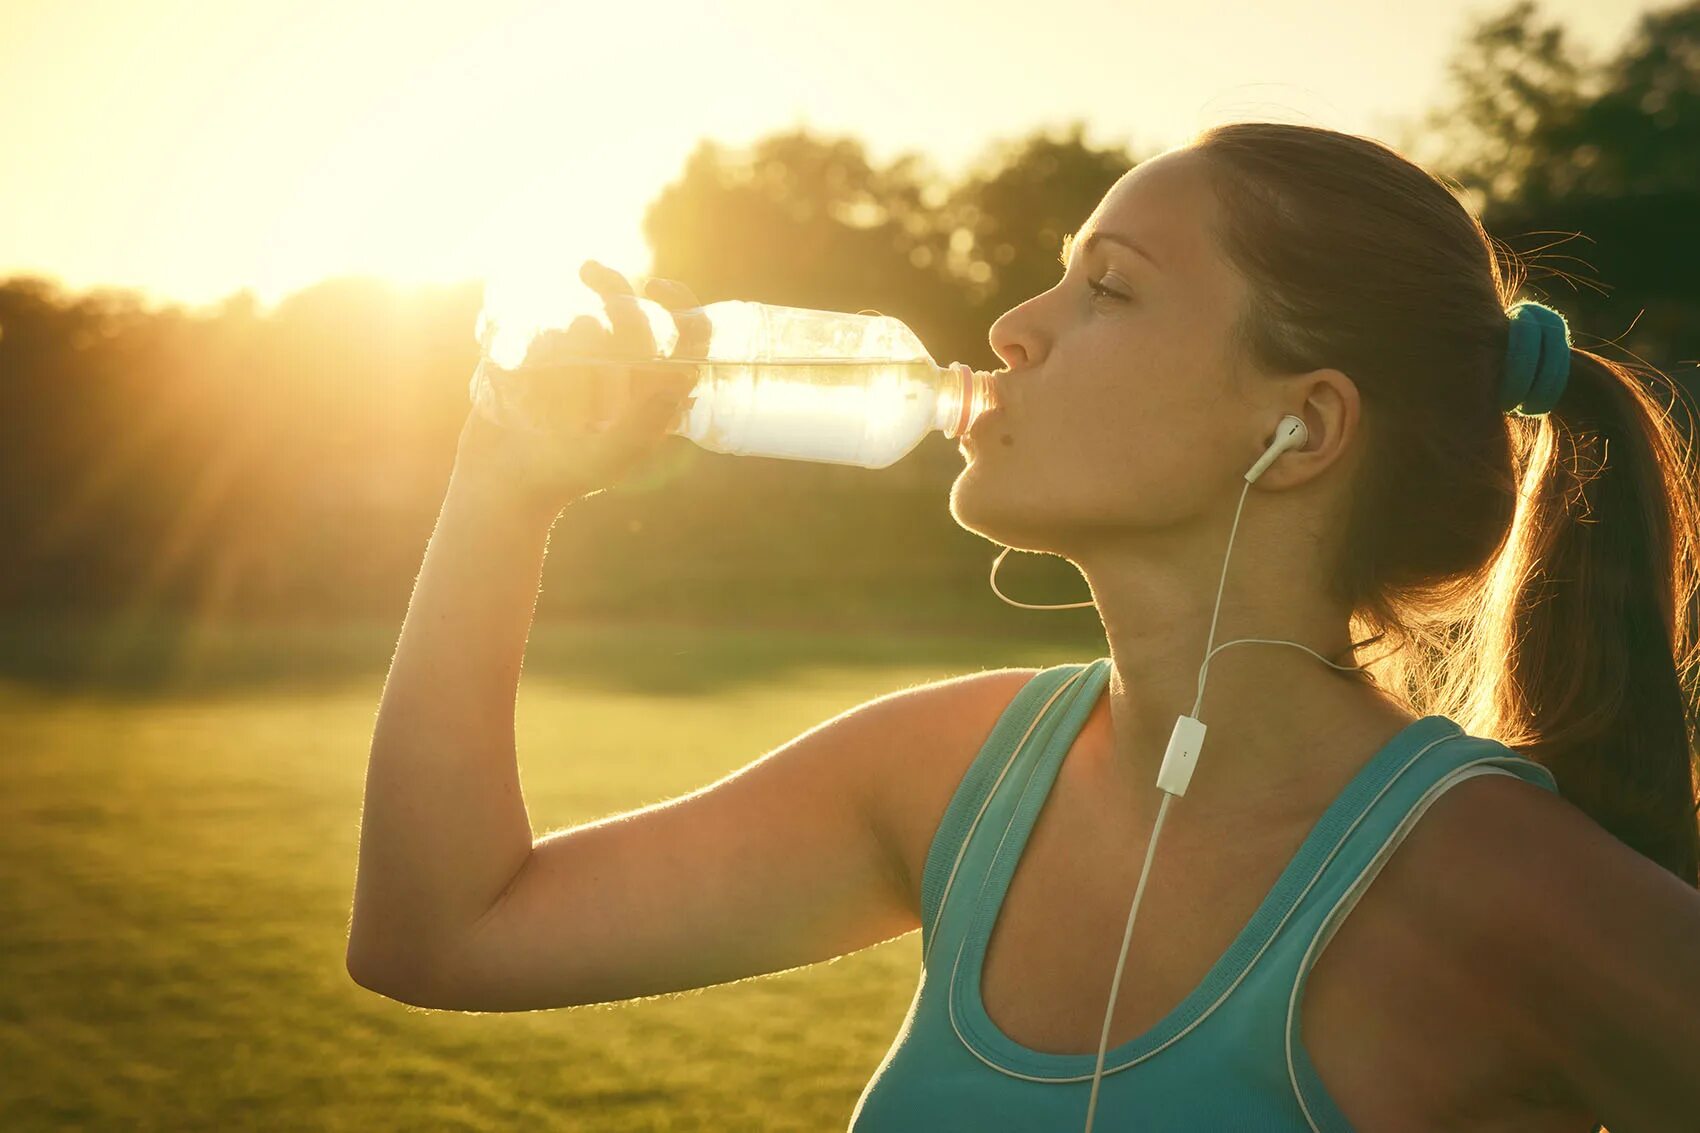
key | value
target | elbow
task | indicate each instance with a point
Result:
(404, 983)
(365, 973)
(374, 973)
(390, 988)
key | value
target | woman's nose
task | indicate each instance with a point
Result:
(1012, 337)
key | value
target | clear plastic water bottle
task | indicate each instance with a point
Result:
(773, 381)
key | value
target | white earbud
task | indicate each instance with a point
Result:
(1289, 434)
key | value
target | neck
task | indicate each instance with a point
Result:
(1284, 730)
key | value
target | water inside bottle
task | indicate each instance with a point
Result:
(839, 411)
(866, 412)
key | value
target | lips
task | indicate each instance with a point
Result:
(979, 424)
(996, 399)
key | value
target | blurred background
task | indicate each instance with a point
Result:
(243, 249)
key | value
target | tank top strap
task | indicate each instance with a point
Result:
(1398, 794)
(1019, 758)
(1388, 820)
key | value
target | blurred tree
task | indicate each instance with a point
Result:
(1006, 221)
(1511, 79)
(1547, 143)
(227, 462)
(804, 221)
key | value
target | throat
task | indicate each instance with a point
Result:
(1249, 786)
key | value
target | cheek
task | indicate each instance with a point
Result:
(1117, 412)
(1140, 444)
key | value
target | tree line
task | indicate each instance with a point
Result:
(288, 464)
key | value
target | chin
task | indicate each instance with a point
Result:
(978, 505)
(973, 502)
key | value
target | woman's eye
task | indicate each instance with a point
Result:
(1102, 291)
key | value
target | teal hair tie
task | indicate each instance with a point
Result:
(1537, 360)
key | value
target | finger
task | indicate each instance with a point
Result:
(670, 293)
(632, 334)
(694, 329)
(599, 394)
(604, 280)
(569, 392)
(583, 337)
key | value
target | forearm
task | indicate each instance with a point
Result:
(444, 827)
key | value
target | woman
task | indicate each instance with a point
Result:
(1493, 533)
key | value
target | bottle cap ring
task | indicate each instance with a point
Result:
(963, 371)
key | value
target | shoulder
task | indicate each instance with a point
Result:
(1493, 861)
(935, 731)
(955, 708)
(1505, 856)
(937, 728)
(1587, 945)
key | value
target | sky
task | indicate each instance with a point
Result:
(190, 150)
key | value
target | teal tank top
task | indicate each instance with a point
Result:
(1228, 1056)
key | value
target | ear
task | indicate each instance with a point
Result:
(1328, 402)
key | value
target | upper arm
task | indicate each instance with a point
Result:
(1599, 945)
(785, 862)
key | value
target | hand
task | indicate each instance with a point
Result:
(603, 421)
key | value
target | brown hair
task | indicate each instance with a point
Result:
(1535, 576)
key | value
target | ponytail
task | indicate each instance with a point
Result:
(1592, 608)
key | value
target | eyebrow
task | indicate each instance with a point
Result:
(1111, 237)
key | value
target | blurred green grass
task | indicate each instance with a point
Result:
(177, 855)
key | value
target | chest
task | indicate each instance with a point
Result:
(1399, 1034)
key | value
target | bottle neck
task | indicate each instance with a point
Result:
(964, 394)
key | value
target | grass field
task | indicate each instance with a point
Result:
(177, 859)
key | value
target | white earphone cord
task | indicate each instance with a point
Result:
(1211, 649)
(1188, 738)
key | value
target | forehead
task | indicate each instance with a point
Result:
(1165, 204)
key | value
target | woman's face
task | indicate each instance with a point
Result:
(1121, 409)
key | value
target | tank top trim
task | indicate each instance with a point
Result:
(980, 785)
(1321, 1113)
(975, 1028)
